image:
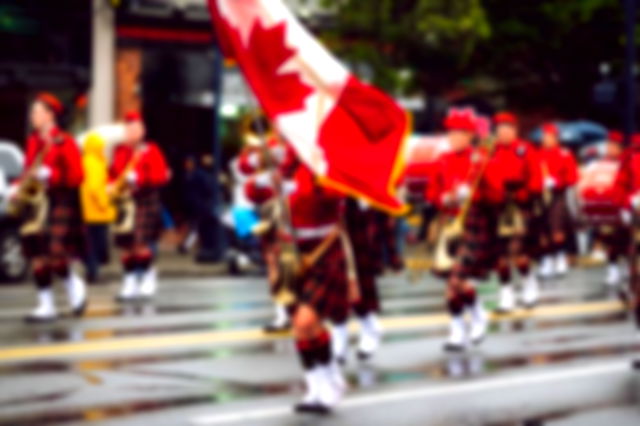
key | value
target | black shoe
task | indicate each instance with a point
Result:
(636, 365)
(478, 340)
(277, 329)
(80, 310)
(312, 408)
(364, 356)
(450, 347)
(126, 300)
(32, 319)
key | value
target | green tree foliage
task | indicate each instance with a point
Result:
(550, 50)
(534, 51)
(408, 44)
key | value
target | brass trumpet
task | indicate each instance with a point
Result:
(452, 229)
(30, 201)
(122, 198)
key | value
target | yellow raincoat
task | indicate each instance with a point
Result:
(96, 204)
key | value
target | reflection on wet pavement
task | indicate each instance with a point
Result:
(116, 386)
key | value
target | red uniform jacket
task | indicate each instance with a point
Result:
(455, 169)
(628, 179)
(151, 167)
(314, 209)
(63, 158)
(560, 165)
(521, 168)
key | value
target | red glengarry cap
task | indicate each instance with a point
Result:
(51, 101)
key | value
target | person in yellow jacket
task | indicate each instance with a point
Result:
(98, 210)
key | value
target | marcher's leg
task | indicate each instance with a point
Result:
(314, 349)
(129, 289)
(530, 285)
(479, 318)
(507, 298)
(74, 285)
(91, 259)
(340, 342)
(457, 328)
(561, 261)
(45, 311)
(147, 271)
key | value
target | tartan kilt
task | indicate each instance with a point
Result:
(616, 237)
(324, 285)
(147, 222)
(369, 298)
(535, 229)
(528, 243)
(65, 233)
(558, 217)
(365, 233)
(479, 245)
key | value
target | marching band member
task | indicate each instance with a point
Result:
(560, 173)
(601, 205)
(465, 177)
(628, 186)
(371, 233)
(54, 158)
(141, 168)
(320, 290)
(523, 184)
(252, 161)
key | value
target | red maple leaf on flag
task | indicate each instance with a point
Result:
(268, 52)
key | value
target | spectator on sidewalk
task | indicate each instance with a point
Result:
(205, 184)
(98, 210)
(191, 204)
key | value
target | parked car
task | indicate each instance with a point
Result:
(13, 265)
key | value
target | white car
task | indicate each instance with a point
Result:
(13, 265)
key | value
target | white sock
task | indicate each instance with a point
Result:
(149, 282)
(340, 340)
(46, 304)
(457, 331)
(281, 315)
(129, 285)
(76, 289)
(370, 332)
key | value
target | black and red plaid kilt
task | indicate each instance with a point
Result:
(479, 245)
(35, 245)
(324, 285)
(365, 232)
(65, 232)
(616, 237)
(535, 228)
(147, 226)
(558, 217)
(529, 242)
(369, 297)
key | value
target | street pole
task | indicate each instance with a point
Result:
(218, 70)
(213, 241)
(629, 77)
(102, 92)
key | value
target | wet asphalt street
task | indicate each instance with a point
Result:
(196, 356)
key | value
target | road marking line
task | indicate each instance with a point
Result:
(415, 322)
(452, 389)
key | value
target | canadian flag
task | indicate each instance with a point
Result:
(349, 134)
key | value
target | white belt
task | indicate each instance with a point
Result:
(314, 232)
